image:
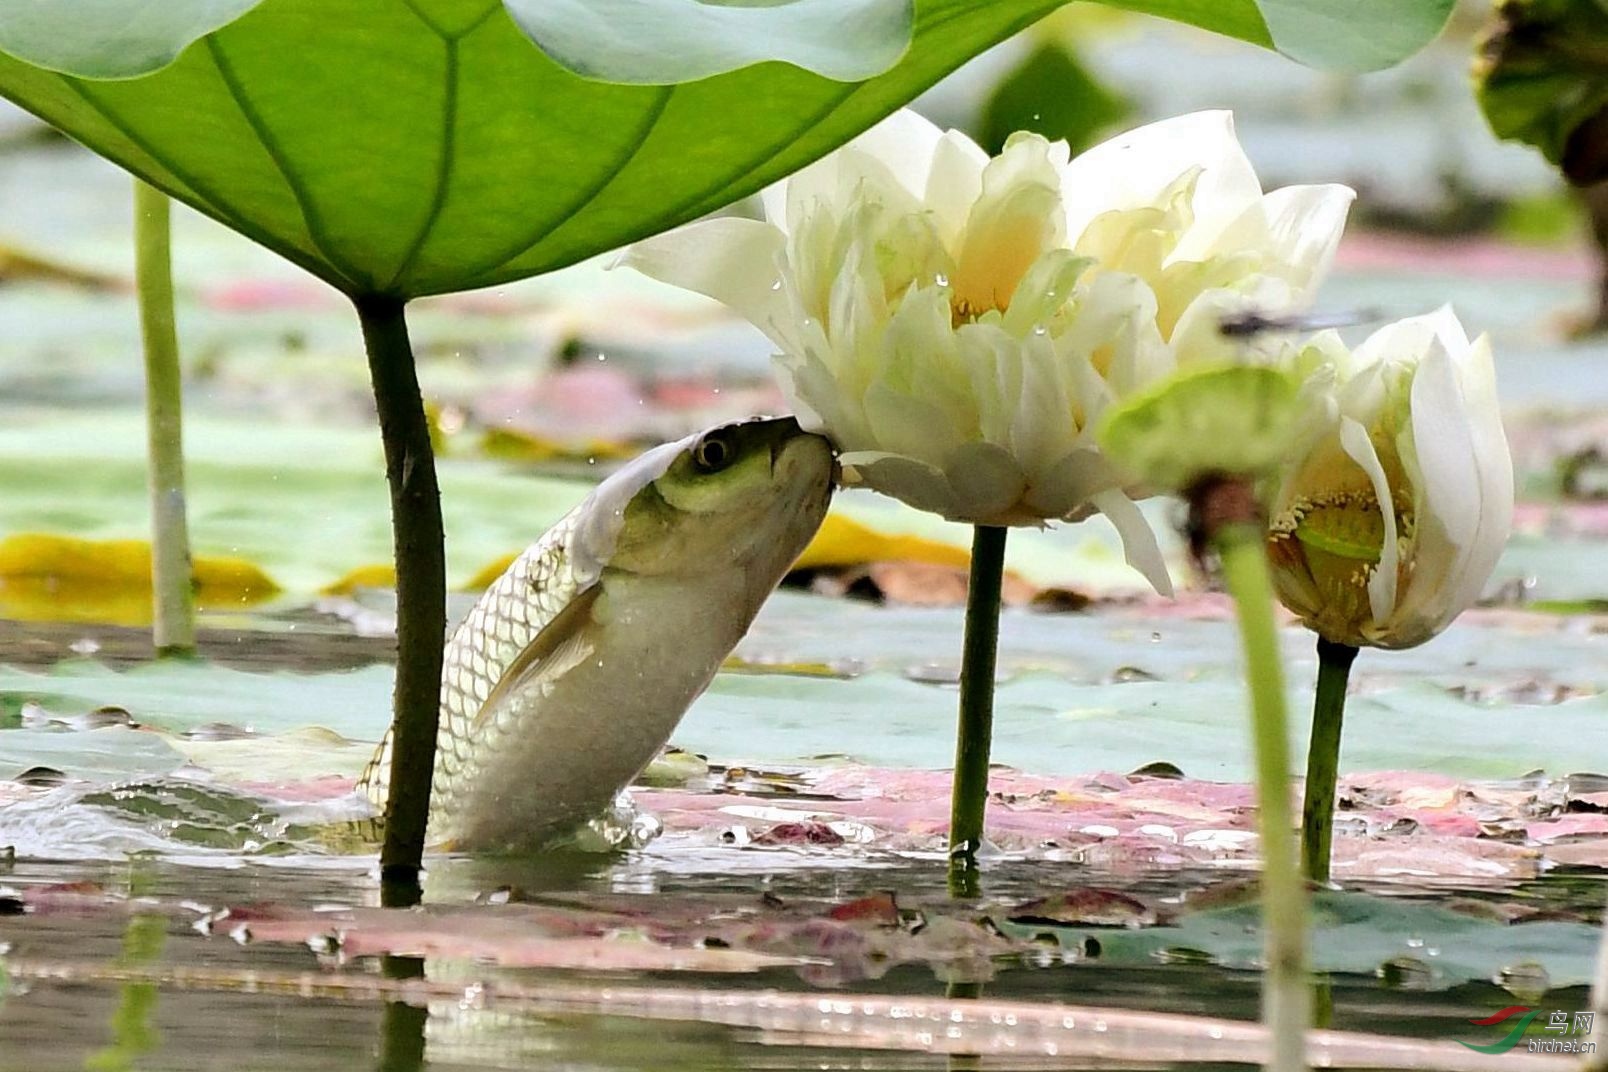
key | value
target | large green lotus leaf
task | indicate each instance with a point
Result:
(649, 42)
(1543, 79)
(416, 148)
(423, 146)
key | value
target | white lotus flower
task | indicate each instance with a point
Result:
(1178, 204)
(1389, 525)
(956, 324)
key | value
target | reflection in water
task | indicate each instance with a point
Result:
(1322, 1002)
(132, 1033)
(402, 1026)
(964, 1062)
(965, 884)
(72, 968)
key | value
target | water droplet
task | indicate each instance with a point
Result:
(776, 285)
(941, 279)
(1040, 329)
(602, 357)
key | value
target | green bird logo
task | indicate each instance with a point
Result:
(1525, 1013)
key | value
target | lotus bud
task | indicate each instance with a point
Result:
(1389, 523)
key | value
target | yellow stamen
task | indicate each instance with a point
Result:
(1324, 550)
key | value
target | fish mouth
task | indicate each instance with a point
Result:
(834, 473)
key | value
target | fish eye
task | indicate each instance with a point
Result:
(713, 453)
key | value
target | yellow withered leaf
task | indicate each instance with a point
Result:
(47, 577)
(529, 447)
(843, 541)
(488, 573)
(375, 575)
(20, 264)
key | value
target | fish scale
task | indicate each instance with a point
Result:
(504, 622)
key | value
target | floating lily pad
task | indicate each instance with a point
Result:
(96, 755)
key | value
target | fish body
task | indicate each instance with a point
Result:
(574, 667)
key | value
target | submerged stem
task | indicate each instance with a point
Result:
(957, 990)
(172, 578)
(403, 1025)
(421, 591)
(1323, 758)
(979, 655)
(1240, 550)
(133, 1025)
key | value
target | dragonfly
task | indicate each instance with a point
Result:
(1249, 323)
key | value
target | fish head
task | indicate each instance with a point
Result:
(746, 495)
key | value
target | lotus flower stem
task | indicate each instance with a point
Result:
(1285, 1002)
(1323, 758)
(172, 578)
(421, 592)
(979, 655)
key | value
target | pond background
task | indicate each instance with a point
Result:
(811, 770)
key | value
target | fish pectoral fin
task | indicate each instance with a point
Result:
(374, 785)
(563, 643)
